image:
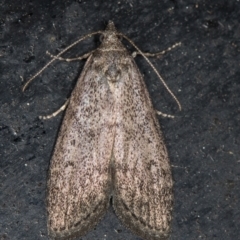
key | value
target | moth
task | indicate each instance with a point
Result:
(110, 146)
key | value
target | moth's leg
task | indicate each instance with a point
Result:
(134, 54)
(164, 114)
(86, 55)
(62, 108)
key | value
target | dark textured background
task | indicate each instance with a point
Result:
(203, 140)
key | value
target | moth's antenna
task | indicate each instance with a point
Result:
(155, 70)
(58, 55)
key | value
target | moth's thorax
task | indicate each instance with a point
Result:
(116, 64)
(115, 68)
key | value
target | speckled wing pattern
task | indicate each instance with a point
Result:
(110, 145)
(79, 178)
(142, 177)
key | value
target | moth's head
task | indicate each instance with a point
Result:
(111, 27)
(111, 38)
(110, 33)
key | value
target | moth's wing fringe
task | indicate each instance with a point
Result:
(80, 176)
(142, 195)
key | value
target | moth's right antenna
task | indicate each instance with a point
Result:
(155, 70)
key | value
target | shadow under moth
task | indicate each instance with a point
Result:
(109, 146)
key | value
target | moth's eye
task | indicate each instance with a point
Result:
(101, 38)
(119, 37)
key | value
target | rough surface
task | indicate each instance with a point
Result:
(202, 140)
